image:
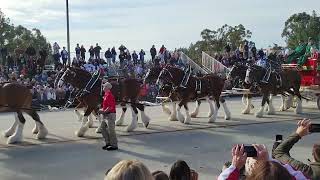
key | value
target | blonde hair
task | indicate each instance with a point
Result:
(129, 170)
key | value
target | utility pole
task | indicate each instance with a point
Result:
(68, 35)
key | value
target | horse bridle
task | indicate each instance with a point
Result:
(164, 70)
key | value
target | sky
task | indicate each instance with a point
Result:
(141, 23)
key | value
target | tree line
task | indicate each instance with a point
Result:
(297, 28)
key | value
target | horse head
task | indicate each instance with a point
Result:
(170, 75)
(237, 70)
(67, 76)
(152, 74)
(253, 74)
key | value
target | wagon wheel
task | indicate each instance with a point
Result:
(318, 102)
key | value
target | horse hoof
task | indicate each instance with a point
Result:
(98, 130)
(246, 111)
(193, 115)
(42, 133)
(227, 117)
(211, 120)
(14, 139)
(259, 115)
(8, 133)
(119, 123)
(146, 125)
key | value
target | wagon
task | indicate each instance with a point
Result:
(310, 77)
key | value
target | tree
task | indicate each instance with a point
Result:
(214, 41)
(18, 37)
(301, 26)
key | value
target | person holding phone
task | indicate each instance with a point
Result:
(281, 153)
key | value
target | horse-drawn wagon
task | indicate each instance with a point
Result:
(310, 77)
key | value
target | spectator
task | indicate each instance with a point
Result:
(4, 53)
(108, 56)
(114, 54)
(180, 171)
(83, 53)
(246, 50)
(153, 52)
(281, 153)
(254, 52)
(109, 113)
(128, 56)
(135, 57)
(56, 55)
(78, 51)
(122, 48)
(97, 50)
(10, 61)
(91, 52)
(142, 54)
(129, 170)
(264, 168)
(160, 175)
(121, 59)
(64, 56)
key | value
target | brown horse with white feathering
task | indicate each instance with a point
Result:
(208, 86)
(18, 99)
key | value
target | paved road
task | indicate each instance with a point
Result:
(204, 146)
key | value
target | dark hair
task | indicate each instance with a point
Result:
(269, 170)
(160, 175)
(180, 171)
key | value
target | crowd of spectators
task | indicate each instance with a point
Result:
(245, 164)
(28, 67)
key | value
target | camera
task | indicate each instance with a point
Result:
(250, 150)
(314, 128)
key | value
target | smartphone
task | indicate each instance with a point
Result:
(250, 150)
(314, 128)
(279, 137)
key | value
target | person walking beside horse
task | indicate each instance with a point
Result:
(109, 113)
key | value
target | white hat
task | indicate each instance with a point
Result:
(107, 85)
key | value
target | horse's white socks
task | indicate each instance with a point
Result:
(17, 136)
(289, 102)
(213, 118)
(84, 127)
(187, 120)
(179, 115)
(259, 114)
(165, 109)
(299, 106)
(134, 122)
(283, 101)
(145, 119)
(211, 108)
(120, 121)
(248, 106)
(196, 111)
(12, 129)
(35, 129)
(173, 116)
(271, 109)
(42, 131)
(226, 111)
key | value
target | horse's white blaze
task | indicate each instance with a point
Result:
(180, 117)
(271, 109)
(299, 106)
(144, 118)
(60, 83)
(173, 115)
(134, 122)
(196, 111)
(42, 131)
(17, 136)
(12, 129)
(226, 111)
(259, 114)
(84, 127)
(211, 108)
(248, 106)
(187, 120)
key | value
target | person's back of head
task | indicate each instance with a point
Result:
(129, 170)
(180, 171)
(267, 170)
(160, 175)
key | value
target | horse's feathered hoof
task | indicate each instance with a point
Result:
(98, 130)
(146, 125)
(14, 139)
(42, 133)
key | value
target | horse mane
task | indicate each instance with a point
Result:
(80, 71)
